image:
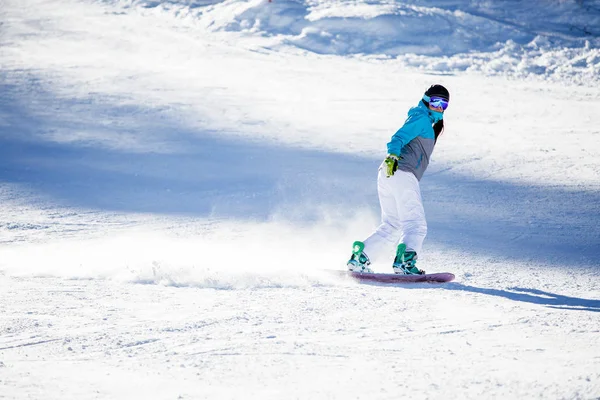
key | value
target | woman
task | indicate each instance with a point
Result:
(403, 224)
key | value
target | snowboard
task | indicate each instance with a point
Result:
(440, 277)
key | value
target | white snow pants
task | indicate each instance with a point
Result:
(402, 215)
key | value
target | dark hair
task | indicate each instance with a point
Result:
(438, 128)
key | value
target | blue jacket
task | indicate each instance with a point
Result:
(415, 140)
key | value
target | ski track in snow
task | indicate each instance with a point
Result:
(177, 177)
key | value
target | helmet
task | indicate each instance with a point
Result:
(438, 91)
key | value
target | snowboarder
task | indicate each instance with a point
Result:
(403, 223)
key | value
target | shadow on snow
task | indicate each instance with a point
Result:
(130, 159)
(533, 296)
(205, 174)
(525, 295)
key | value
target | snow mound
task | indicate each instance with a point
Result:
(559, 41)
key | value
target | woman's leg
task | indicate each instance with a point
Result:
(385, 238)
(411, 215)
(402, 216)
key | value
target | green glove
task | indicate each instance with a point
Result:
(391, 164)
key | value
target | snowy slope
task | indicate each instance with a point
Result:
(178, 175)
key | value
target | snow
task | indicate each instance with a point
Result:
(178, 177)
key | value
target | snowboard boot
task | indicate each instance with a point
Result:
(359, 262)
(405, 262)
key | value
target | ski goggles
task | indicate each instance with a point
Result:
(437, 102)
